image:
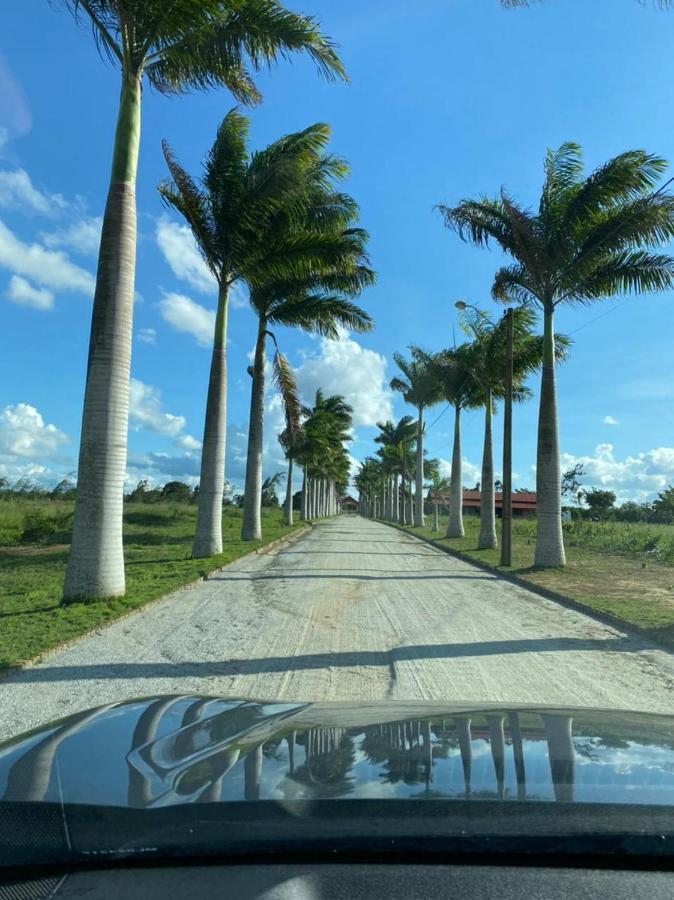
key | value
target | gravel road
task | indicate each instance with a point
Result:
(353, 610)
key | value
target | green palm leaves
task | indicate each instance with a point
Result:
(591, 237)
(177, 45)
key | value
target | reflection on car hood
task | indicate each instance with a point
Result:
(167, 750)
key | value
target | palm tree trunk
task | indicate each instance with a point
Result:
(419, 520)
(403, 504)
(455, 524)
(251, 528)
(305, 497)
(208, 534)
(289, 494)
(436, 527)
(96, 562)
(396, 499)
(549, 536)
(487, 539)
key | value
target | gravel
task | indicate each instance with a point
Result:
(354, 610)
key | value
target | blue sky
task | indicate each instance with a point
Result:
(448, 98)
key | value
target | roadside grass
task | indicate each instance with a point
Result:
(157, 540)
(612, 571)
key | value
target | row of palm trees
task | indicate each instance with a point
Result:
(590, 238)
(318, 446)
(273, 220)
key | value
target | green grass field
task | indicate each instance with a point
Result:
(33, 553)
(623, 569)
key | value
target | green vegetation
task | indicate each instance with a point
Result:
(158, 537)
(624, 569)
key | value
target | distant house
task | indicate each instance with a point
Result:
(348, 504)
(524, 503)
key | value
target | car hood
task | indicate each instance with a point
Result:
(168, 750)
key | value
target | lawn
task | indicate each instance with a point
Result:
(617, 568)
(157, 539)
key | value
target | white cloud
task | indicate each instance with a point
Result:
(145, 410)
(17, 191)
(178, 247)
(344, 367)
(470, 473)
(23, 433)
(23, 293)
(609, 420)
(187, 442)
(50, 268)
(83, 236)
(147, 336)
(186, 315)
(637, 477)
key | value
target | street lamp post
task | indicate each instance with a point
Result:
(506, 491)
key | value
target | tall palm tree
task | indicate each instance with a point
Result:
(453, 369)
(228, 210)
(591, 237)
(316, 239)
(488, 372)
(420, 389)
(323, 454)
(290, 439)
(175, 47)
(396, 440)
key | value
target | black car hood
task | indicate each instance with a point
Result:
(162, 751)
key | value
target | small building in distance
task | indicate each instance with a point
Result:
(524, 502)
(348, 504)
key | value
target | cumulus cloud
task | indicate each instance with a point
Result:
(470, 473)
(185, 315)
(147, 336)
(23, 433)
(145, 410)
(17, 191)
(345, 367)
(49, 268)
(609, 420)
(23, 293)
(178, 247)
(637, 477)
(187, 442)
(83, 236)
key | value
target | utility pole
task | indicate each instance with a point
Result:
(507, 492)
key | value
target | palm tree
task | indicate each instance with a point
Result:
(590, 238)
(321, 250)
(193, 44)
(290, 439)
(420, 389)
(323, 455)
(228, 211)
(488, 372)
(395, 440)
(453, 369)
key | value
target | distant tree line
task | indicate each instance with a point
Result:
(599, 504)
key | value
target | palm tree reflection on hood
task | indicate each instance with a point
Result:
(329, 759)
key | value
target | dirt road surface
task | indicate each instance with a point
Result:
(353, 610)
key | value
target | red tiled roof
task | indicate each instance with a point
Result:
(520, 499)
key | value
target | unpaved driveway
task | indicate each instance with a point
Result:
(354, 610)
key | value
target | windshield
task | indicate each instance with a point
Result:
(336, 351)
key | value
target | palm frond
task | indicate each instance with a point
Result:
(207, 43)
(183, 195)
(321, 314)
(287, 386)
